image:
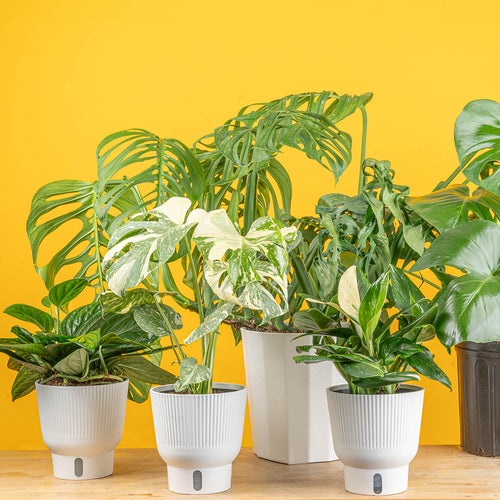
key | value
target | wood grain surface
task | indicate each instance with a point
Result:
(438, 472)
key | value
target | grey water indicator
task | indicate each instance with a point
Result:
(197, 480)
(377, 484)
(78, 467)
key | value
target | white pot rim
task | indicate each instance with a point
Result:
(408, 388)
(230, 388)
(80, 387)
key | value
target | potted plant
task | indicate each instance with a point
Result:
(468, 306)
(199, 423)
(375, 418)
(82, 367)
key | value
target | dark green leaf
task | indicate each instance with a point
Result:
(32, 315)
(386, 379)
(137, 367)
(24, 383)
(75, 364)
(424, 364)
(64, 292)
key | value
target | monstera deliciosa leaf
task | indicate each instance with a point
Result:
(448, 208)
(304, 121)
(477, 139)
(469, 308)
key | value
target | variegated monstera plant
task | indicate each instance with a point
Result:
(247, 272)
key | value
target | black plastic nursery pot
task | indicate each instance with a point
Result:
(479, 397)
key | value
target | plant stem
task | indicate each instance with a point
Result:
(415, 275)
(446, 183)
(95, 229)
(363, 149)
(173, 338)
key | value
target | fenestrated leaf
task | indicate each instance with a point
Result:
(32, 315)
(152, 321)
(211, 324)
(191, 373)
(424, 364)
(76, 364)
(61, 294)
(386, 379)
(137, 367)
(477, 139)
(24, 383)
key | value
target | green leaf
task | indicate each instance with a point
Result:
(82, 320)
(211, 323)
(424, 364)
(313, 320)
(89, 341)
(76, 364)
(448, 208)
(372, 304)
(131, 298)
(191, 373)
(474, 246)
(137, 367)
(24, 383)
(420, 334)
(138, 391)
(386, 379)
(31, 314)
(399, 346)
(477, 139)
(407, 297)
(151, 320)
(362, 370)
(64, 292)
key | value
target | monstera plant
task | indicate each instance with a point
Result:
(241, 271)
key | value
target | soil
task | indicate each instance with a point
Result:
(73, 383)
(252, 325)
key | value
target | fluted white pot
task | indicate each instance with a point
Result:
(288, 408)
(82, 426)
(199, 435)
(376, 437)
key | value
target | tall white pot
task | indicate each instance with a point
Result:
(82, 426)
(376, 437)
(288, 408)
(199, 435)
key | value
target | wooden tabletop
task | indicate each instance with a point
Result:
(438, 472)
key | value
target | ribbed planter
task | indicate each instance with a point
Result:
(82, 426)
(199, 435)
(288, 409)
(376, 437)
(479, 396)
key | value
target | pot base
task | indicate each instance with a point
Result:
(200, 481)
(76, 468)
(376, 481)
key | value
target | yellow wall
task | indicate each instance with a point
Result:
(72, 72)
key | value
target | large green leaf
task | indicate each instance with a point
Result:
(82, 320)
(372, 304)
(468, 308)
(424, 364)
(477, 139)
(76, 364)
(448, 208)
(32, 315)
(386, 379)
(305, 121)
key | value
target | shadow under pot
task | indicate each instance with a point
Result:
(376, 437)
(82, 426)
(479, 397)
(199, 435)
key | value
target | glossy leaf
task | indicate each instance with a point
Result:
(211, 324)
(24, 383)
(372, 304)
(32, 315)
(63, 293)
(191, 373)
(137, 367)
(152, 321)
(386, 379)
(424, 364)
(75, 364)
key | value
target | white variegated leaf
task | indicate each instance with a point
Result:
(211, 324)
(191, 373)
(175, 209)
(348, 294)
(256, 296)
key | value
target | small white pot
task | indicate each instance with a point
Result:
(376, 437)
(199, 435)
(82, 426)
(288, 409)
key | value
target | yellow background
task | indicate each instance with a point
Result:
(72, 72)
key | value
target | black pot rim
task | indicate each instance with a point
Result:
(477, 346)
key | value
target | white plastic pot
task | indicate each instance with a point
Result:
(288, 408)
(82, 426)
(199, 435)
(376, 437)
